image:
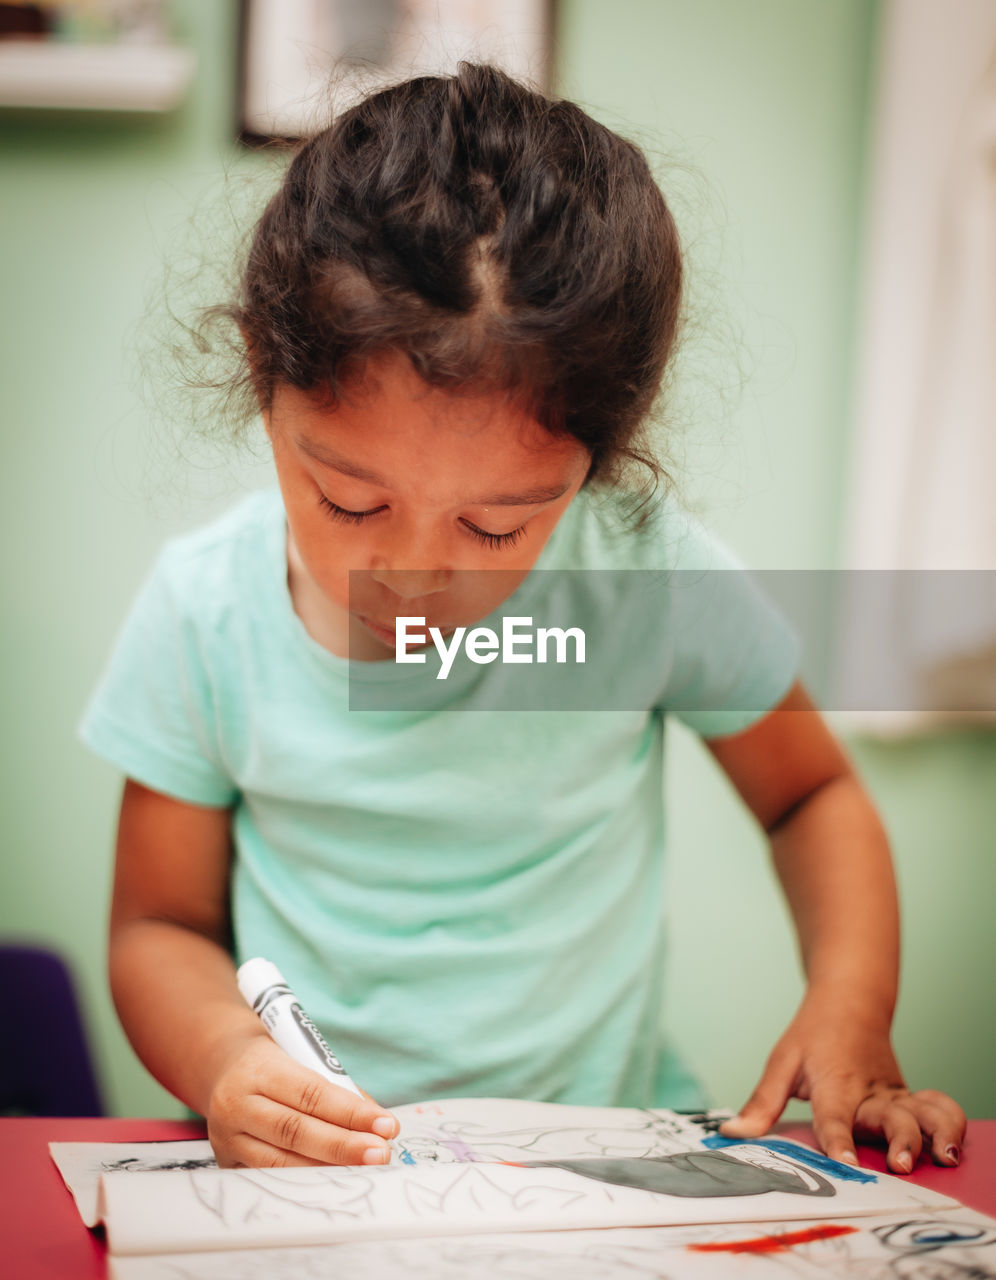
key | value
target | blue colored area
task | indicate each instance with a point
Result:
(804, 1155)
(407, 1157)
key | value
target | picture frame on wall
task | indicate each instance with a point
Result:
(301, 60)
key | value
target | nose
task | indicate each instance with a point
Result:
(411, 583)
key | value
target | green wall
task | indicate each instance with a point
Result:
(756, 114)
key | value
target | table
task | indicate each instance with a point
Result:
(44, 1239)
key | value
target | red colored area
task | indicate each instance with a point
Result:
(774, 1244)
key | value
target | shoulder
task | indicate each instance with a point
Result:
(216, 562)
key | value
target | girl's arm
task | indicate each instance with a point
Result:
(173, 981)
(832, 857)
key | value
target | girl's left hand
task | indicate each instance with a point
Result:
(844, 1065)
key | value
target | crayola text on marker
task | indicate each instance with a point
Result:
(271, 999)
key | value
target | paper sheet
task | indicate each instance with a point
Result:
(82, 1164)
(957, 1245)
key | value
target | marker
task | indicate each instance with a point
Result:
(263, 986)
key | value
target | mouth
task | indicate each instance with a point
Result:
(386, 632)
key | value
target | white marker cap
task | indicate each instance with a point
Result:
(256, 975)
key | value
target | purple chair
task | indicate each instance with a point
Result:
(45, 1065)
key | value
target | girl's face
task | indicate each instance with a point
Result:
(419, 489)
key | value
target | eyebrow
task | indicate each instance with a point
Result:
(329, 458)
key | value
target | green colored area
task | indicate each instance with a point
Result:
(756, 118)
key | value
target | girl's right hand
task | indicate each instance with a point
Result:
(266, 1111)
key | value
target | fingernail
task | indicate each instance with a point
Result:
(952, 1153)
(848, 1157)
(385, 1126)
(376, 1155)
(905, 1161)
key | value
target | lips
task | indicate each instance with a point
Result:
(383, 633)
(390, 627)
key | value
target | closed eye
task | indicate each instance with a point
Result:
(493, 540)
(340, 513)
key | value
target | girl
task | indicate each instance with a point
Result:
(456, 313)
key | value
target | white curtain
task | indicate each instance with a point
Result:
(922, 642)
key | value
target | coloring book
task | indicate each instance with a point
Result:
(479, 1167)
(955, 1244)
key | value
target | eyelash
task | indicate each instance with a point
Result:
(340, 513)
(496, 541)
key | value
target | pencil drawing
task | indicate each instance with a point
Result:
(462, 1140)
(473, 1190)
(258, 1195)
(146, 1164)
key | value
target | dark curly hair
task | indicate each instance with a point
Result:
(502, 240)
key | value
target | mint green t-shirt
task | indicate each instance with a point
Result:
(467, 903)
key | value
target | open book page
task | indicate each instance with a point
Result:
(83, 1164)
(954, 1244)
(470, 1166)
(491, 1130)
(215, 1208)
(452, 1130)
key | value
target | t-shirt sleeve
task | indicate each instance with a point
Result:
(152, 713)
(734, 653)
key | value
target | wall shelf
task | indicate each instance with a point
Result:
(93, 77)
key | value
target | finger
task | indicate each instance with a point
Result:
(768, 1100)
(886, 1115)
(308, 1092)
(247, 1152)
(834, 1105)
(946, 1104)
(891, 1116)
(319, 1140)
(943, 1121)
(386, 1124)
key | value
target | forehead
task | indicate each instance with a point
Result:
(391, 425)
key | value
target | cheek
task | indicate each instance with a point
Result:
(478, 592)
(327, 552)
